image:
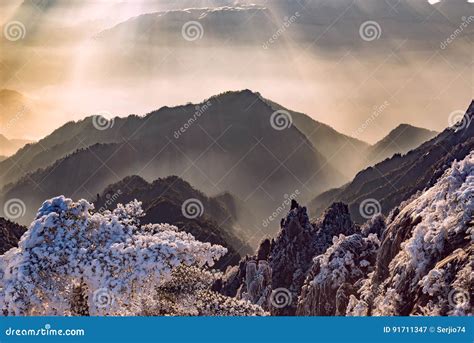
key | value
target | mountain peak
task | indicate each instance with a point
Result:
(404, 135)
(237, 93)
(403, 128)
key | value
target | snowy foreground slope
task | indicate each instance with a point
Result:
(424, 265)
(73, 262)
(418, 261)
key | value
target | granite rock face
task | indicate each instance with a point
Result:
(417, 261)
(424, 264)
(334, 275)
(10, 234)
(279, 269)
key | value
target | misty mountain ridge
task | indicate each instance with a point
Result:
(343, 151)
(312, 15)
(257, 164)
(396, 179)
(350, 155)
(219, 152)
(399, 141)
(218, 22)
(11, 146)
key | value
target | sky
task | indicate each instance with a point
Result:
(70, 60)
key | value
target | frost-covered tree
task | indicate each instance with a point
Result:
(189, 293)
(424, 265)
(72, 261)
(333, 275)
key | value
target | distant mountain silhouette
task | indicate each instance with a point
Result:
(397, 179)
(343, 152)
(226, 143)
(219, 23)
(10, 146)
(399, 141)
(163, 199)
(255, 23)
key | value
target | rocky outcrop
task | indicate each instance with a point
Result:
(10, 234)
(400, 177)
(349, 260)
(417, 261)
(336, 273)
(279, 269)
(424, 265)
(298, 243)
(258, 283)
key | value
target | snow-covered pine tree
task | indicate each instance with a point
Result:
(72, 261)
